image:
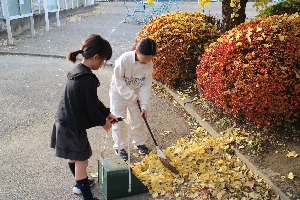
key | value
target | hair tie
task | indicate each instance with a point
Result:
(80, 51)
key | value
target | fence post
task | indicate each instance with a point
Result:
(66, 4)
(53, 8)
(8, 27)
(16, 10)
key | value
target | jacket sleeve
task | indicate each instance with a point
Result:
(145, 90)
(105, 111)
(121, 65)
(88, 90)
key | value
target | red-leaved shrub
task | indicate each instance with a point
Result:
(253, 70)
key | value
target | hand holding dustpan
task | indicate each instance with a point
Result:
(163, 159)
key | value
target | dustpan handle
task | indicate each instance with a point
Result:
(147, 125)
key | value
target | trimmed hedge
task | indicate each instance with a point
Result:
(285, 7)
(181, 39)
(253, 70)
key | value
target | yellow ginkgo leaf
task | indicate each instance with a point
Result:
(291, 175)
(155, 194)
(297, 74)
(239, 44)
(250, 183)
(281, 37)
(182, 97)
(94, 175)
(220, 162)
(292, 154)
(274, 27)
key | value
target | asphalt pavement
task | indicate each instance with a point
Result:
(32, 78)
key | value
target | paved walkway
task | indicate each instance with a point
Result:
(31, 87)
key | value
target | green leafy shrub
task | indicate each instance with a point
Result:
(181, 39)
(253, 70)
(287, 6)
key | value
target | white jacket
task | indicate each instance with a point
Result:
(133, 79)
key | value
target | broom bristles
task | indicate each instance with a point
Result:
(168, 165)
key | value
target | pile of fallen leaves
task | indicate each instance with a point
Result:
(207, 169)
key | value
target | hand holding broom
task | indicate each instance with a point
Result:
(163, 159)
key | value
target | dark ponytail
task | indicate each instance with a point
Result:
(92, 45)
(72, 56)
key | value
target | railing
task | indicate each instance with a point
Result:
(142, 11)
(37, 5)
(1, 11)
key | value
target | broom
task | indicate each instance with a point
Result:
(163, 159)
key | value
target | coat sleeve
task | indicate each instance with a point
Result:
(105, 111)
(145, 90)
(121, 65)
(95, 110)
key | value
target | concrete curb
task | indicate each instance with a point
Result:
(108, 63)
(31, 54)
(214, 133)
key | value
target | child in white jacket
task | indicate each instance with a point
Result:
(131, 83)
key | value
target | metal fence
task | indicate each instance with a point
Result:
(37, 5)
(1, 10)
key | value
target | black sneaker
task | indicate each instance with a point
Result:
(123, 154)
(76, 190)
(142, 149)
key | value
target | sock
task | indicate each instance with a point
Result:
(72, 168)
(85, 188)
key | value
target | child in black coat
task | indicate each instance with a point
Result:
(80, 109)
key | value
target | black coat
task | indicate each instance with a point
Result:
(80, 108)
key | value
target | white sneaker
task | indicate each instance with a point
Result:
(76, 190)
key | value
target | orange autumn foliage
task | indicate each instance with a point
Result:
(181, 39)
(253, 70)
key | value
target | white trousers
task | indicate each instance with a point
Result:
(121, 107)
